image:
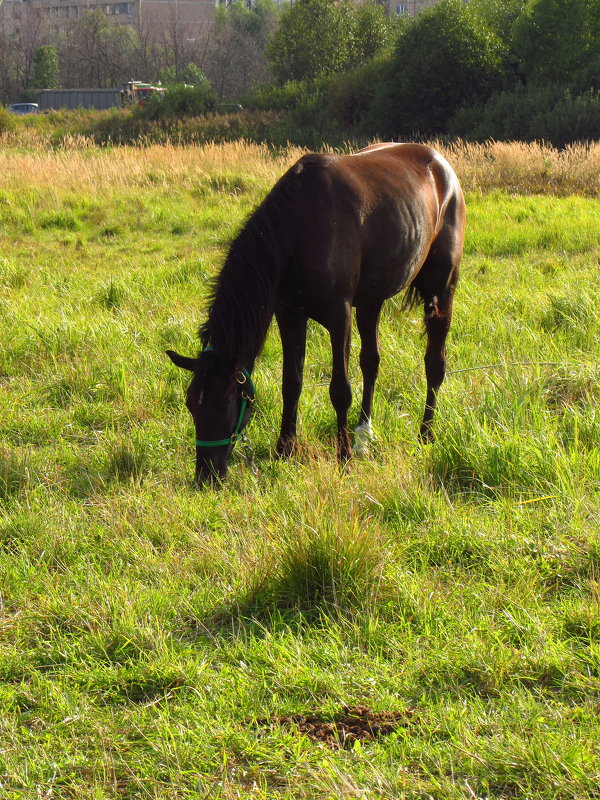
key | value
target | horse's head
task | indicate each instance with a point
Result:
(219, 398)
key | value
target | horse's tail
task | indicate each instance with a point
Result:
(412, 296)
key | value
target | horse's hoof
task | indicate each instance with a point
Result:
(426, 435)
(286, 448)
(344, 450)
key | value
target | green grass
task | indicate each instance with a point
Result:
(146, 627)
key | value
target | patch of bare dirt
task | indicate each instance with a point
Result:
(357, 724)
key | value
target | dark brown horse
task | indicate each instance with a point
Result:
(336, 231)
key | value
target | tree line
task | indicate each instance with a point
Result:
(504, 69)
(340, 69)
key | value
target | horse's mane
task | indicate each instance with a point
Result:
(242, 299)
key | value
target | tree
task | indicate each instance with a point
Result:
(177, 44)
(374, 32)
(558, 41)
(322, 37)
(45, 68)
(7, 71)
(236, 55)
(96, 51)
(500, 16)
(445, 59)
(31, 35)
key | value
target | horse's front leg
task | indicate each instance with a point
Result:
(339, 388)
(292, 329)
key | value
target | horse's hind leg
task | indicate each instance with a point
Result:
(436, 283)
(339, 388)
(292, 329)
(438, 315)
(367, 319)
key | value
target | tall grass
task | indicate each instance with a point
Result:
(515, 167)
(527, 168)
(147, 630)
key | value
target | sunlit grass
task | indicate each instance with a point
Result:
(146, 626)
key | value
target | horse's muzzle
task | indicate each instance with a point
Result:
(211, 469)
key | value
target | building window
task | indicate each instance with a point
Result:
(119, 9)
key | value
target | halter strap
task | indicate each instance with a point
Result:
(247, 399)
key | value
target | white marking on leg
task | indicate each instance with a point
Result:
(363, 436)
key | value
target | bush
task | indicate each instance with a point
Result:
(117, 127)
(332, 109)
(550, 113)
(191, 75)
(287, 97)
(7, 120)
(179, 101)
(349, 97)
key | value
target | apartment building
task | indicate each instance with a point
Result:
(15, 14)
(409, 8)
(194, 14)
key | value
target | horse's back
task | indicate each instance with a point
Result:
(420, 160)
(365, 223)
(407, 174)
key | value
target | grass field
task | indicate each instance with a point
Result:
(161, 642)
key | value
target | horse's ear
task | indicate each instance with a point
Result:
(183, 361)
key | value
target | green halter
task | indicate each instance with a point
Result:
(247, 399)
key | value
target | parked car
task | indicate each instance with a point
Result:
(23, 108)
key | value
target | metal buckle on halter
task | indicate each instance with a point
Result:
(244, 379)
(233, 437)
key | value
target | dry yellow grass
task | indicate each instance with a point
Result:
(79, 164)
(527, 168)
(523, 168)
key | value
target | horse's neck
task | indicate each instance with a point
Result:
(247, 287)
(238, 323)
